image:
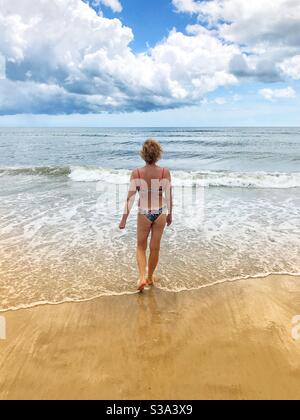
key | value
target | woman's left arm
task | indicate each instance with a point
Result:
(130, 201)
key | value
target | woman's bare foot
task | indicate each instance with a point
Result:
(151, 281)
(142, 285)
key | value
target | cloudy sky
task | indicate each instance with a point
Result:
(145, 63)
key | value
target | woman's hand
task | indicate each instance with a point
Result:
(169, 219)
(123, 223)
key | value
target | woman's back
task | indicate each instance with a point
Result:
(151, 184)
(150, 174)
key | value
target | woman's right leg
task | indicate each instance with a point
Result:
(157, 232)
(143, 231)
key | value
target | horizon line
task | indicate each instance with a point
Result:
(151, 127)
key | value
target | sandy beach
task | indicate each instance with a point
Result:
(231, 341)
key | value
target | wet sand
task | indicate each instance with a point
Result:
(231, 341)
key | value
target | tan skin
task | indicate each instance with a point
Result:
(145, 229)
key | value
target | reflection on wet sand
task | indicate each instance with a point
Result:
(229, 341)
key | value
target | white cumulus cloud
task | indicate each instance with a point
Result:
(187, 6)
(267, 31)
(115, 5)
(2, 67)
(61, 57)
(270, 94)
(291, 67)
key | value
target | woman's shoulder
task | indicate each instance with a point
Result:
(136, 173)
(166, 172)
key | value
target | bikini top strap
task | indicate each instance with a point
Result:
(163, 174)
(138, 171)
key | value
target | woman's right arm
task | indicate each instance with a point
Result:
(129, 201)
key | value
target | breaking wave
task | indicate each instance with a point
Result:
(224, 179)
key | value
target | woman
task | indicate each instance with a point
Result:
(155, 208)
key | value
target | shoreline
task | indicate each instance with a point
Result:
(134, 293)
(230, 341)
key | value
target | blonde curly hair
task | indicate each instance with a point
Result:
(151, 151)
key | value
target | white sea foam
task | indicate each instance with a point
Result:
(133, 293)
(225, 179)
(111, 176)
(192, 179)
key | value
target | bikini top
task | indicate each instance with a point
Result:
(150, 190)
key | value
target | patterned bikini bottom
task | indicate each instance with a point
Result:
(153, 215)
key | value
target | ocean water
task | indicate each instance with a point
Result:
(236, 196)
